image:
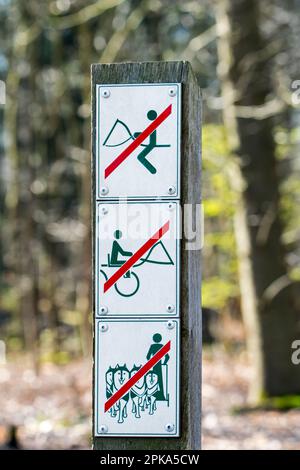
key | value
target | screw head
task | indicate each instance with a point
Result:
(105, 93)
(170, 308)
(104, 210)
(103, 428)
(103, 327)
(170, 325)
(171, 190)
(171, 206)
(169, 427)
(104, 190)
(103, 309)
(172, 91)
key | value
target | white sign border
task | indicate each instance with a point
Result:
(138, 196)
(97, 432)
(97, 294)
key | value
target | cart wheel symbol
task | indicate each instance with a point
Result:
(128, 285)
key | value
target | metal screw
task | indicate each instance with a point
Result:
(103, 309)
(171, 206)
(172, 91)
(170, 325)
(171, 189)
(104, 191)
(170, 308)
(104, 327)
(103, 428)
(105, 93)
(169, 427)
(104, 210)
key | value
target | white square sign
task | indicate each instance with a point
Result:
(137, 378)
(137, 259)
(138, 141)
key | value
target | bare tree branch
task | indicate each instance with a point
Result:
(202, 40)
(85, 14)
(119, 37)
(275, 288)
(264, 111)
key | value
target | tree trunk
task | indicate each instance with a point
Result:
(269, 307)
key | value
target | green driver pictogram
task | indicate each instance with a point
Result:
(129, 285)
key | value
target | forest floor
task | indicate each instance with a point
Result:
(226, 378)
(52, 411)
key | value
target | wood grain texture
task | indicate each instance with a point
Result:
(191, 332)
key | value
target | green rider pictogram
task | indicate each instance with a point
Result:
(152, 144)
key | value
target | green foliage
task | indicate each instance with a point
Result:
(216, 292)
(43, 200)
(282, 403)
(287, 145)
(287, 402)
(220, 283)
(223, 240)
(71, 317)
(14, 344)
(9, 299)
(60, 357)
(295, 273)
(44, 190)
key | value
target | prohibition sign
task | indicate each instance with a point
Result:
(136, 256)
(139, 139)
(137, 376)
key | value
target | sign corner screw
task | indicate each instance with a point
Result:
(170, 308)
(171, 189)
(105, 93)
(103, 309)
(104, 327)
(104, 190)
(169, 427)
(170, 325)
(172, 91)
(103, 428)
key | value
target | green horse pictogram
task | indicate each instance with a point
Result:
(152, 144)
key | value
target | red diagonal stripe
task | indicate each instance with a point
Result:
(137, 376)
(136, 256)
(131, 147)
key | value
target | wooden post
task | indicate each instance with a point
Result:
(190, 280)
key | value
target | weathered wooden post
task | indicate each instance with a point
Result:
(146, 165)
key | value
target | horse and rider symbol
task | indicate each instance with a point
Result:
(129, 284)
(146, 392)
(151, 145)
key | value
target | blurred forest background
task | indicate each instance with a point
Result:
(246, 57)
